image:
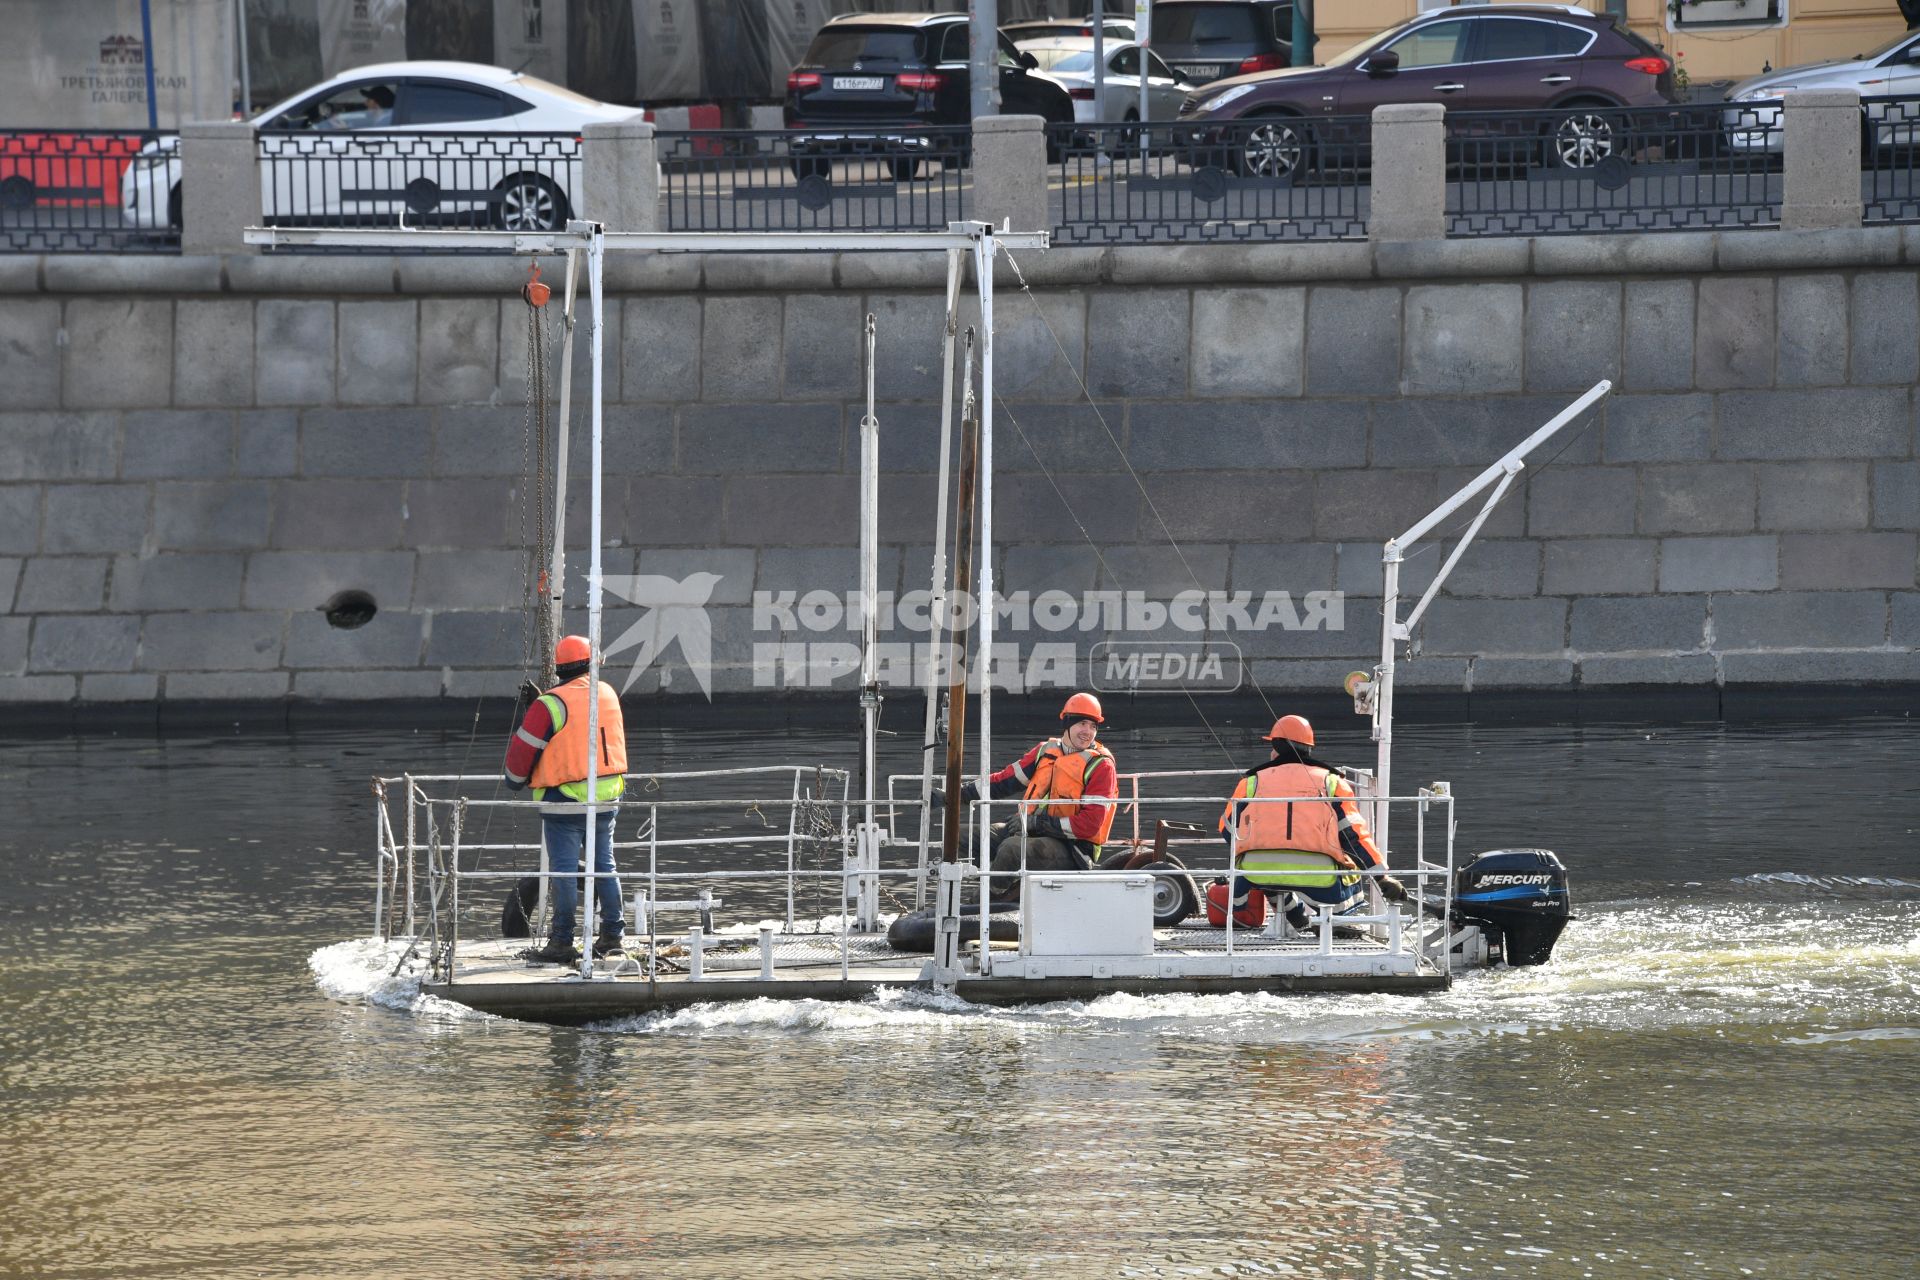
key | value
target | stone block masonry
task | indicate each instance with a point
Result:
(193, 480)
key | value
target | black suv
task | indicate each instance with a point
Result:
(1209, 39)
(876, 81)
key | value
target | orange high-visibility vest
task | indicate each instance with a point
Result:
(1061, 774)
(564, 759)
(1306, 826)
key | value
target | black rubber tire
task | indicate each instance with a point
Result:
(16, 193)
(528, 202)
(904, 167)
(913, 932)
(175, 218)
(810, 166)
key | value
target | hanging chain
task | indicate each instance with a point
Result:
(538, 638)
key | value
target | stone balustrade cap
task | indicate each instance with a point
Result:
(1849, 98)
(1405, 112)
(217, 129)
(635, 126)
(1008, 124)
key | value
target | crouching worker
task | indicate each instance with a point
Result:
(550, 751)
(1296, 850)
(1067, 833)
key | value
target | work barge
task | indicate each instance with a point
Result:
(797, 881)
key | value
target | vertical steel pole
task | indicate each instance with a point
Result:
(1143, 32)
(557, 573)
(867, 889)
(937, 600)
(984, 253)
(146, 46)
(596, 260)
(984, 59)
(1383, 696)
(1099, 62)
(246, 61)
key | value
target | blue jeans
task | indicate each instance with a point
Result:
(565, 834)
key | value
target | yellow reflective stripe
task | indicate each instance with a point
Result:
(556, 709)
(604, 788)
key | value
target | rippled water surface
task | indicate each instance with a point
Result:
(205, 1074)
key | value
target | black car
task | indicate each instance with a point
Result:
(1210, 39)
(875, 82)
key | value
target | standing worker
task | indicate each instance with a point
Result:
(549, 749)
(1267, 839)
(1069, 771)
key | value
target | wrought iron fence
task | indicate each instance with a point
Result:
(1889, 156)
(1601, 169)
(844, 180)
(371, 178)
(1267, 179)
(68, 191)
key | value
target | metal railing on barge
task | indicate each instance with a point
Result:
(432, 849)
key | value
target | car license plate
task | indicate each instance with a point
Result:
(858, 82)
(1205, 69)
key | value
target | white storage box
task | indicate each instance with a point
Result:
(1088, 915)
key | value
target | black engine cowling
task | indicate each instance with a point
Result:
(1519, 898)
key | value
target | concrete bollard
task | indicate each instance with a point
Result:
(1409, 173)
(620, 175)
(1820, 160)
(1010, 172)
(219, 186)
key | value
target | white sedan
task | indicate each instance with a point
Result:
(1069, 60)
(427, 143)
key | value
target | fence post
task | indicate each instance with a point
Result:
(219, 185)
(1820, 160)
(620, 175)
(1010, 171)
(1409, 173)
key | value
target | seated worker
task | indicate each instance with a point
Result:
(1332, 827)
(550, 749)
(1069, 770)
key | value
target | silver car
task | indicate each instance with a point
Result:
(1752, 120)
(1069, 61)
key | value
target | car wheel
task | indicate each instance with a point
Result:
(1583, 137)
(16, 193)
(1276, 147)
(528, 202)
(174, 218)
(904, 167)
(810, 166)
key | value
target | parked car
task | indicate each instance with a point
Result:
(314, 170)
(1070, 61)
(1210, 39)
(63, 169)
(876, 82)
(1586, 75)
(1055, 28)
(1753, 124)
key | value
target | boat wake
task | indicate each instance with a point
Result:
(1838, 965)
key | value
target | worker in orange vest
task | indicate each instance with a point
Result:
(1330, 825)
(550, 751)
(1069, 771)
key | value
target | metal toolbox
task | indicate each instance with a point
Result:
(1087, 915)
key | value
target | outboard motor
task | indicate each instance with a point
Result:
(1519, 899)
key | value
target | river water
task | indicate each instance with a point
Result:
(1716, 1076)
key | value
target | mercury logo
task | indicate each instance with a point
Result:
(1510, 879)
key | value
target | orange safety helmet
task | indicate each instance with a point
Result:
(570, 650)
(1083, 704)
(1291, 729)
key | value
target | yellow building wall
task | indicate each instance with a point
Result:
(1815, 30)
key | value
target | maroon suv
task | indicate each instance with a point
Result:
(1509, 57)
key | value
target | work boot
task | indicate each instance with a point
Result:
(607, 944)
(552, 953)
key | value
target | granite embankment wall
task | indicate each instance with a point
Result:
(197, 454)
